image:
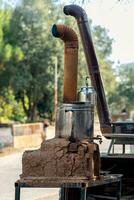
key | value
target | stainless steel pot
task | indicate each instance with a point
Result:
(75, 120)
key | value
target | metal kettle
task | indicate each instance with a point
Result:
(87, 93)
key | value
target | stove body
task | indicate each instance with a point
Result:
(72, 154)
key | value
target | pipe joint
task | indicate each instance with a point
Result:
(77, 12)
(66, 34)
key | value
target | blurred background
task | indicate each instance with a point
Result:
(32, 67)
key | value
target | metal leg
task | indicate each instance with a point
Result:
(73, 193)
(110, 146)
(119, 190)
(113, 149)
(17, 191)
(62, 194)
(83, 193)
(123, 148)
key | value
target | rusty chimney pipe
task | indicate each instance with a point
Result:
(70, 39)
(93, 66)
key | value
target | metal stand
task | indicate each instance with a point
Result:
(121, 139)
(115, 195)
(82, 196)
(17, 191)
(77, 185)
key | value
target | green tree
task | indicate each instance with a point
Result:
(124, 93)
(10, 110)
(7, 101)
(32, 77)
(6, 50)
(103, 48)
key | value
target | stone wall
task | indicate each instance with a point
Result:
(28, 135)
(6, 137)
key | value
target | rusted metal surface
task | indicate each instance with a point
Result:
(70, 182)
(70, 39)
(93, 66)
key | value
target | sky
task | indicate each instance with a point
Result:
(118, 18)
